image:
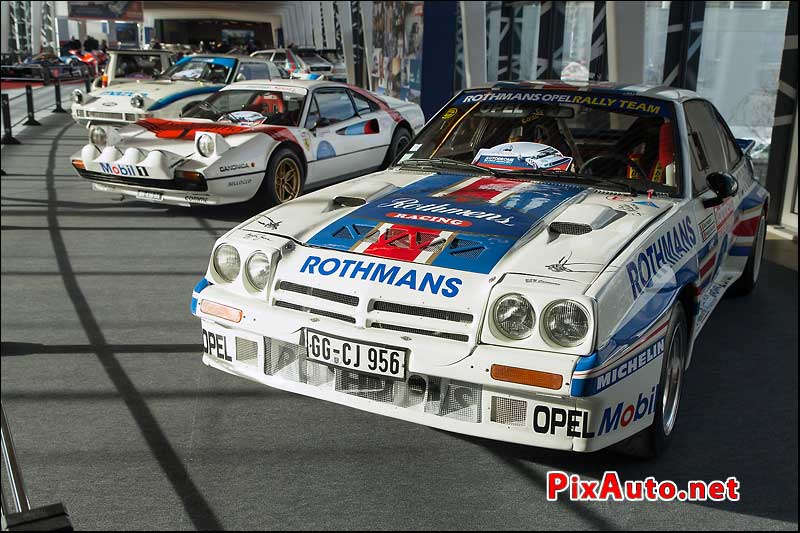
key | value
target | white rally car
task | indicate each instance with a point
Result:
(534, 269)
(269, 140)
(191, 79)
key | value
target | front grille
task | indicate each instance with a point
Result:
(345, 299)
(313, 311)
(172, 185)
(441, 397)
(127, 117)
(439, 314)
(430, 333)
(246, 351)
(508, 411)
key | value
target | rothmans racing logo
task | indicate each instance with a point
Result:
(412, 204)
(381, 273)
(668, 249)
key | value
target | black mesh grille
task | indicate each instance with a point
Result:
(440, 334)
(452, 316)
(321, 312)
(570, 228)
(345, 299)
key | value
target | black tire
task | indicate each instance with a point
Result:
(653, 441)
(402, 136)
(745, 284)
(273, 189)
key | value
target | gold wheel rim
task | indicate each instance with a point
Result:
(287, 180)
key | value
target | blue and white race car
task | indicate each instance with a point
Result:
(534, 269)
(191, 79)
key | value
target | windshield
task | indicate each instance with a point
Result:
(331, 56)
(138, 66)
(277, 105)
(610, 136)
(213, 70)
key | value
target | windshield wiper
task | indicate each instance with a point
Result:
(446, 163)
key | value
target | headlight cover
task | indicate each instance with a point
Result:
(205, 145)
(258, 269)
(513, 316)
(137, 100)
(566, 323)
(77, 96)
(98, 136)
(226, 262)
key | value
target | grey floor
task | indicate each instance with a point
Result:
(114, 414)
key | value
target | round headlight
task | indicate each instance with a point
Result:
(514, 316)
(77, 96)
(137, 101)
(257, 269)
(205, 145)
(566, 322)
(226, 262)
(98, 136)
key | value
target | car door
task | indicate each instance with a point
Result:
(344, 143)
(713, 149)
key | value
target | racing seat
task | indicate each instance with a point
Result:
(648, 142)
(268, 104)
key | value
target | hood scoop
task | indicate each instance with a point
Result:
(579, 219)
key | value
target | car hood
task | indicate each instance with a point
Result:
(156, 93)
(478, 224)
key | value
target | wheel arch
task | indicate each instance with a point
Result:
(691, 305)
(295, 148)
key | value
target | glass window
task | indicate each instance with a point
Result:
(740, 62)
(201, 69)
(274, 73)
(656, 20)
(334, 105)
(255, 71)
(577, 52)
(706, 143)
(138, 66)
(275, 106)
(363, 105)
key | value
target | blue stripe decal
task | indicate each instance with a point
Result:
(201, 285)
(167, 100)
(742, 250)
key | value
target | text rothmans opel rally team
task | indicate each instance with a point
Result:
(534, 267)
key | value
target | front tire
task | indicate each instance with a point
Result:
(747, 282)
(400, 139)
(284, 178)
(654, 440)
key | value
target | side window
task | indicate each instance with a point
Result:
(732, 152)
(363, 105)
(313, 114)
(705, 143)
(279, 58)
(334, 105)
(255, 71)
(274, 73)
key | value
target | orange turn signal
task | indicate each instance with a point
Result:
(523, 376)
(221, 311)
(188, 175)
(78, 163)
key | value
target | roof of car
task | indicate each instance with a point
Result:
(308, 84)
(662, 92)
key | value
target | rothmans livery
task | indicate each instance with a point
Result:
(554, 308)
(268, 140)
(191, 79)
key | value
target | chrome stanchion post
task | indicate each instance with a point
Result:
(21, 502)
(29, 100)
(8, 138)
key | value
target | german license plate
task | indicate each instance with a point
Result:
(377, 359)
(149, 195)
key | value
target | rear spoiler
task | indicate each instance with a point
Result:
(746, 145)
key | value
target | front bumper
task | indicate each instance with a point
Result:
(461, 397)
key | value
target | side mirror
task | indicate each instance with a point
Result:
(724, 186)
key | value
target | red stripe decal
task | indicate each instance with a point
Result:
(747, 228)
